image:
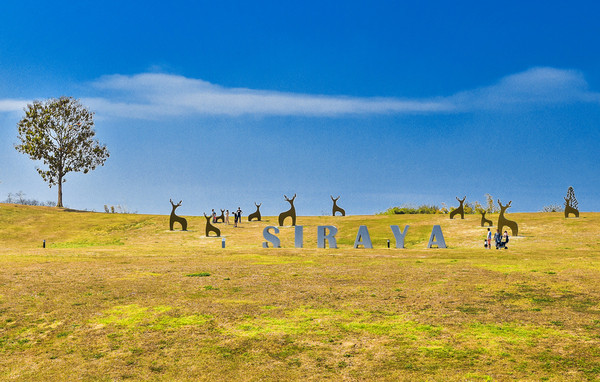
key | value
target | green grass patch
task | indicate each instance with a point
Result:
(83, 243)
(135, 317)
(198, 274)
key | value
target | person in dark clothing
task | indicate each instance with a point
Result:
(497, 238)
(504, 240)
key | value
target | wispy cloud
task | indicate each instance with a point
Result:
(159, 95)
(153, 95)
(537, 86)
(12, 105)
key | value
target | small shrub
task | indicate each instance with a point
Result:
(118, 209)
(553, 208)
(472, 208)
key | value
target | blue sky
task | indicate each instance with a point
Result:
(223, 104)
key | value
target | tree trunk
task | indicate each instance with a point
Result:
(60, 182)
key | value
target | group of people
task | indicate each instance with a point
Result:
(501, 240)
(236, 214)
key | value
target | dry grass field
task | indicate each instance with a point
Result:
(120, 297)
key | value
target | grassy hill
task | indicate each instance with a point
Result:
(120, 297)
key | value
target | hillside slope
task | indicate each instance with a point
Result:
(27, 227)
(120, 297)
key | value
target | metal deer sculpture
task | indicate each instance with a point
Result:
(503, 221)
(571, 203)
(337, 208)
(176, 219)
(569, 209)
(221, 217)
(484, 220)
(289, 213)
(255, 215)
(459, 210)
(211, 228)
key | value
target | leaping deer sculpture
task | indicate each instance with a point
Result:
(176, 219)
(503, 221)
(337, 208)
(459, 210)
(211, 228)
(255, 215)
(289, 213)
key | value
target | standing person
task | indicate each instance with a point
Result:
(235, 218)
(505, 240)
(489, 239)
(214, 216)
(239, 215)
(227, 217)
(497, 238)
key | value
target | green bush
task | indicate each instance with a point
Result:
(409, 209)
(470, 208)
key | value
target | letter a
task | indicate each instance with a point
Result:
(437, 237)
(363, 238)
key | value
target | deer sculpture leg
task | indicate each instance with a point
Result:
(503, 221)
(484, 220)
(255, 215)
(337, 208)
(459, 210)
(176, 219)
(289, 213)
(571, 210)
(211, 228)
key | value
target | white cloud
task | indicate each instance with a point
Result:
(153, 95)
(159, 95)
(12, 105)
(536, 86)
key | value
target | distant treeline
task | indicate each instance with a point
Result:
(19, 198)
(469, 207)
(408, 209)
